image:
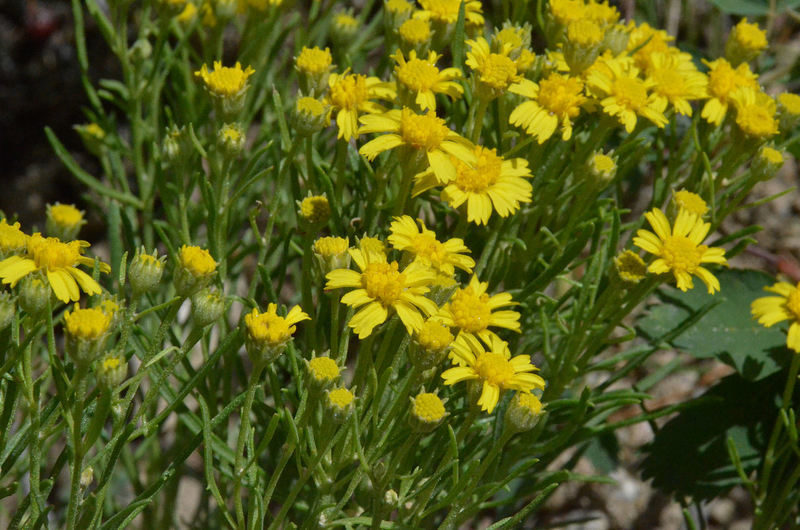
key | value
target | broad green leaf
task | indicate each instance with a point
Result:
(728, 331)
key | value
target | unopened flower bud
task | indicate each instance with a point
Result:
(34, 293)
(523, 411)
(601, 169)
(615, 39)
(140, 51)
(427, 412)
(227, 87)
(396, 12)
(268, 333)
(339, 403)
(314, 66)
(788, 111)
(93, 137)
(231, 139)
(208, 306)
(432, 343)
(767, 162)
(86, 331)
(630, 267)
(692, 202)
(344, 28)
(111, 371)
(310, 115)
(63, 221)
(7, 310)
(322, 373)
(584, 40)
(415, 34)
(745, 42)
(87, 476)
(195, 269)
(332, 253)
(145, 271)
(315, 209)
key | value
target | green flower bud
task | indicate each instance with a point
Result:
(339, 403)
(332, 253)
(63, 221)
(310, 115)
(767, 162)
(111, 371)
(523, 411)
(208, 306)
(432, 342)
(86, 332)
(231, 139)
(195, 269)
(34, 293)
(145, 271)
(93, 137)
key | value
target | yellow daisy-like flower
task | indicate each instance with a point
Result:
(554, 102)
(380, 287)
(59, 262)
(647, 40)
(224, 81)
(446, 11)
(566, 11)
(490, 184)
(755, 112)
(425, 133)
(680, 249)
(422, 80)
(494, 72)
(630, 267)
(415, 31)
(692, 202)
(271, 330)
(745, 42)
(677, 80)
(353, 93)
(87, 324)
(496, 370)
(12, 239)
(723, 80)
(625, 95)
(423, 245)
(314, 61)
(786, 306)
(472, 310)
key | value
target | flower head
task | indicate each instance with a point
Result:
(677, 80)
(322, 371)
(415, 32)
(225, 81)
(686, 200)
(495, 369)
(679, 248)
(58, 261)
(630, 267)
(339, 402)
(315, 209)
(523, 411)
(64, 221)
(12, 239)
(555, 101)
(767, 162)
(380, 287)
(427, 411)
(786, 306)
(755, 113)
(473, 311)
(353, 93)
(723, 80)
(493, 72)
(268, 333)
(420, 80)
(433, 341)
(195, 269)
(446, 11)
(331, 253)
(86, 331)
(423, 245)
(745, 41)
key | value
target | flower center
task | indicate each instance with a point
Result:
(418, 75)
(561, 95)
(50, 253)
(669, 82)
(722, 80)
(383, 282)
(793, 303)
(422, 131)
(494, 368)
(756, 120)
(630, 93)
(314, 60)
(444, 10)
(498, 71)
(427, 246)
(428, 407)
(340, 398)
(323, 369)
(269, 328)
(681, 254)
(87, 324)
(485, 173)
(470, 311)
(350, 91)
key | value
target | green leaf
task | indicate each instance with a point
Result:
(728, 331)
(689, 455)
(753, 7)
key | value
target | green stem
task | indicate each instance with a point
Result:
(239, 469)
(79, 383)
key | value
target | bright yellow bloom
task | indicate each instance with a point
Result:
(630, 267)
(446, 11)
(380, 287)
(425, 133)
(423, 245)
(12, 239)
(602, 168)
(626, 96)
(86, 324)
(755, 112)
(427, 411)
(315, 209)
(323, 370)
(64, 221)
(472, 310)
(423, 80)
(340, 399)
(272, 330)
(495, 369)
(415, 31)
(789, 103)
(197, 261)
(351, 94)
(584, 33)
(494, 72)
(490, 184)
(745, 42)
(372, 245)
(398, 7)
(680, 249)
(554, 102)
(677, 80)
(692, 202)
(647, 40)
(786, 306)
(434, 337)
(59, 262)
(723, 80)
(314, 61)
(566, 11)
(224, 81)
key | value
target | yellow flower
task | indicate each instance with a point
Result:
(59, 262)
(427, 411)
(423, 245)
(195, 269)
(415, 31)
(647, 40)
(755, 112)
(494, 72)
(630, 267)
(425, 133)
(86, 331)
(423, 80)
(766, 163)
(322, 371)
(788, 110)
(472, 310)
(745, 42)
(692, 202)
(381, 287)
(554, 102)
(331, 253)
(351, 93)
(786, 306)
(315, 209)
(584, 38)
(372, 245)
(188, 14)
(434, 340)
(496, 370)
(490, 184)
(626, 96)
(566, 11)
(602, 168)
(398, 7)
(268, 333)
(677, 80)
(723, 80)
(446, 11)
(314, 61)
(339, 403)
(12, 239)
(680, 249)
(224, 81)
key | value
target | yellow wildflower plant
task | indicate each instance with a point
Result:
(421, 243)
(12, 239)
(493, 72)
(353, 93)
(495, 370)
(424, 133)
(692, 202)
(268, 333)
(491, 184)
(645, 40)
(552, 103)
(677, 80)
(419, 80)
(382, 287)
(679, 249)
(723, 80)
(446, 11)
(427, 411)
(625, 96)
(745, 41)
(755, 113)
(769, 310)
(473, 311)
(225, 81)
(59, 262)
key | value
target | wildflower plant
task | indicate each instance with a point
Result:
(454, 216)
